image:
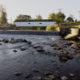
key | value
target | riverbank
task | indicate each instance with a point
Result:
(39, 58)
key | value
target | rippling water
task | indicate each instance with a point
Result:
(24, 61)
(27, 36)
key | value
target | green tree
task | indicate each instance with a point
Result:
(3, 15)
(23, 17)
(52, 16)
(51, 28)
(70, 19)
(38, 17)
(58, 17)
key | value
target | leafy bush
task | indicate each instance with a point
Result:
(38, 28)
(51, 28)
(71, 24)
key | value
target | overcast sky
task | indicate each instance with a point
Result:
(43, 7)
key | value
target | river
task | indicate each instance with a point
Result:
(22, 60)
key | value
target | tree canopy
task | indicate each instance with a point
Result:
(3, 15)
(58, 17)
(70, 19)
(38, 17)
(52, 16)
(23, 17)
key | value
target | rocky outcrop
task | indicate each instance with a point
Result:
(70, 33)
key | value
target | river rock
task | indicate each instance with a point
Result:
(0, 43)
(69, 56)
(5, 40)
(64, 78)
(46, 78)
(18, 73)
(40, 49)
(29, 42)
(52, 77)
(24, 40)
(23, 49)
(63, 57)
(35, 70)
(37, 78)
(12, 41)
(14, 50)
(71, 75)
(47, 73)
(69, 33)
(29, 76)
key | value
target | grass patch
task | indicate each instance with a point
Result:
(71, 24)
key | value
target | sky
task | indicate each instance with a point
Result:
(42, 7)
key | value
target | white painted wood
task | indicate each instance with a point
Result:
(34, 23)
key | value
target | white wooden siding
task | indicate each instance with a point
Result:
(41, 23)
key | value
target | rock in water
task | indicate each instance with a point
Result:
(65, 56)
(14, 50)
(23, 49)
(29, 76)
(52, 77)
(5, 40)
(18, 73)
(71, 75)
(64, 78)
(69, 33)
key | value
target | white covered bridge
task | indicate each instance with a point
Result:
(34, 23)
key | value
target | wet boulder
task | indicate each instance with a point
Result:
(37, 78)
(47, 73)
(18, 73)
(28, 76)
(23, 49)
(5, 40)
(70, 33)
(17, 40)
(52, 77)
(15, 51)
(65, 56)
(24, 40)
(35, 70)
(69, 56)
(12, 41)
(47, 78)
(71, 75)
(29, 42)
(0, 43)
(56, 47)
(64, 78)
(40, 49)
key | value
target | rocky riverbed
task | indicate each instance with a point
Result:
(39, 59)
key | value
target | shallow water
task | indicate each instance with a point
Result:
(25, 61)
